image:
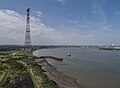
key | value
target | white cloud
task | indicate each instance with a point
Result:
(12, 31)
(72, 21)
(98, 9)
(93, 11)
(61, 1)
(117, 12)
(39, 13)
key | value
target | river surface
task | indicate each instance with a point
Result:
(93, 68)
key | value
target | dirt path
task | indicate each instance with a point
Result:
(27, 81)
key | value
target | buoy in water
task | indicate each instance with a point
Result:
(69, 55)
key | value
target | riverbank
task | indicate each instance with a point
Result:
(18, 69)
(55, 58)
(63, 80)
(93, 68)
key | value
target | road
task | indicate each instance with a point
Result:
(26, 82)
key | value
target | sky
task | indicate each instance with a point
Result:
(61, 22)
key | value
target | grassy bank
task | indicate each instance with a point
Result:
(18, 63)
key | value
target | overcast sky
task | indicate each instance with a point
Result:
(64, 22)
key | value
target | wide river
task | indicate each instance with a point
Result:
(93, 68)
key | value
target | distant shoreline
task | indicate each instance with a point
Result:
(109, 48)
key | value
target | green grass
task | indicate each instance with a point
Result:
(14, 67)
(4, 78)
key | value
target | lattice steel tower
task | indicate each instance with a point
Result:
(27, 35)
